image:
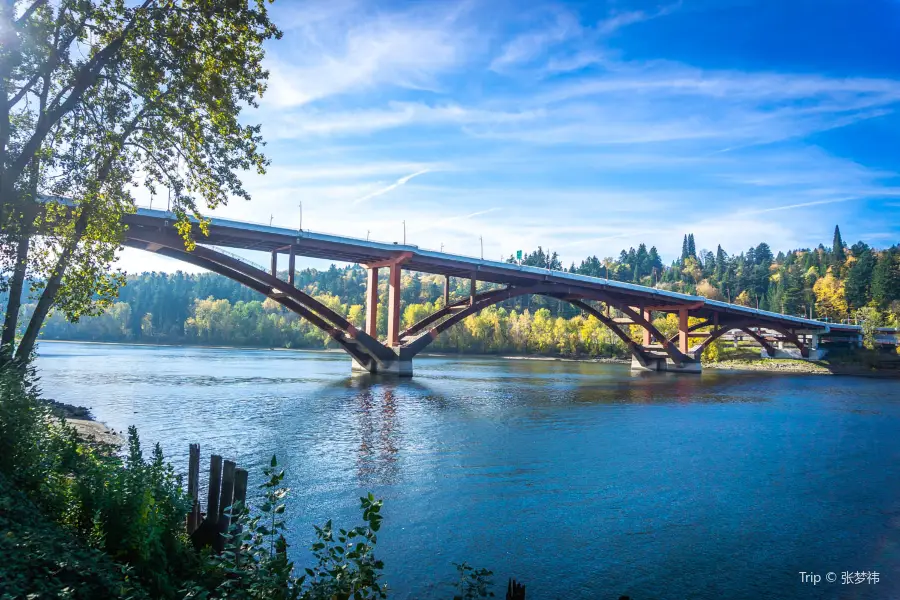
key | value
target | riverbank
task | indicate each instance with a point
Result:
(776, 365)
(81, 419)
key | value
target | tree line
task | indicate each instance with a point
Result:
(837, 283)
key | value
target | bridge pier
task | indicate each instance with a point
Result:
(401, 367)
(665, 364)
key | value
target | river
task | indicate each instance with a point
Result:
(582, 480)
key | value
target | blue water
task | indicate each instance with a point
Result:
(582, 480)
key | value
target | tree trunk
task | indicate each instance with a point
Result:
(17, 283)
(48, 296)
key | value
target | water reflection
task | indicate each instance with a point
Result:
(379, 436)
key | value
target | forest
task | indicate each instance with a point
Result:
(840, 282)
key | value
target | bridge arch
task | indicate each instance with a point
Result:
(366, 350)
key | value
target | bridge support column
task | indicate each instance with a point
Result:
(393, 327)
(472, 286)
(446, 291)
(274, 263)
(372, 302)
(646, 338)
(683, 330)
(292, 262)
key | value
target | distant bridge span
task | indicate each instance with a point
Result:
(153, 230)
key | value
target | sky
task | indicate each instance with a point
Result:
(583, 127)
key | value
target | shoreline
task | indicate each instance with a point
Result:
(84, 423)
(770, 365)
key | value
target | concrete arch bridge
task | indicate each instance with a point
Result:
(153, 231)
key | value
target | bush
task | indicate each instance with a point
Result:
(41, 560)
(254, 564)
(130, 508)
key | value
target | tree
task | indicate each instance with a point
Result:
(831, 301)
(837, 249)
(792, 296)
(103, 96)
(859, 279)
(886, 278)
(691, 246)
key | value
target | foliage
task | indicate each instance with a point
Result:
(346, 566)
(131, 509)
(473, 583)
(100, 97)
(870, 319)
(254, 563)
(713, 352)
(831, 301)
(42, 560)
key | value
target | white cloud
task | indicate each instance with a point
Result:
(393, 186)
(529, 46)
(336, 57)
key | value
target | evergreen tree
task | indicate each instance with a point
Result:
(837, 248)
(886, 278)
(792, 297)
(654, 261)
(691, 247)
(859, 278)
(641, 266)
(684, 248)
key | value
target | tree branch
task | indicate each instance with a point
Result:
(29, 11)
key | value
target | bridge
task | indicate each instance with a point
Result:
(634, 305)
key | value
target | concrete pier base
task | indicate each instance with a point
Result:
(814, 353)
(401, 367)
(665, 364)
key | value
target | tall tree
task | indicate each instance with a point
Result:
(837, 249)
(859, 278)
(102, 96)
(691, 246)
(886, 278)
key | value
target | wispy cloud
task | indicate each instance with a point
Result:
(353, 50)
(529, 46)
(393, 186)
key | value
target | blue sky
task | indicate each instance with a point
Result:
(585, 127)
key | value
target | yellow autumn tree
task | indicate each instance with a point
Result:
(743, 299)
(831, 301)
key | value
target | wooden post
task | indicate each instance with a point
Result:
(194, 488)
(227, 497)
(446, 291)
(372, 302)
(240, 486)
(215, 482)
(274, 263)
(240, 490)
(393, 332)
(683, 330)
(291, 265)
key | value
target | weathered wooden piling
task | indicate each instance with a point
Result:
(193, 520)
(215, 485)
(227, 497)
